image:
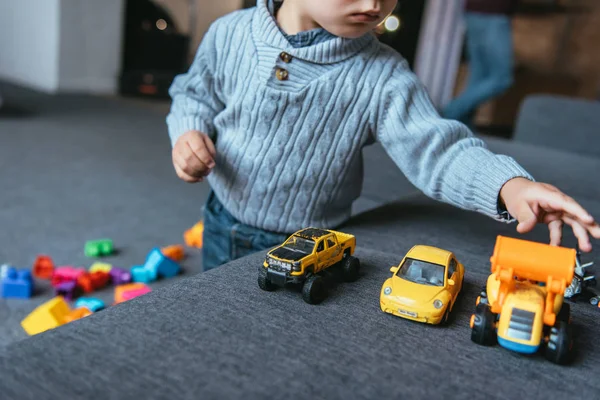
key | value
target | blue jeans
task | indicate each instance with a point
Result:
(490, 51)
(226, 239)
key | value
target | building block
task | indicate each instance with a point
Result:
(99, 279)
(85, 283)
(175, 252)
(141, 274)
(130, 291)
(47, 316)
(164, 266)
(43, 267)
(98, 266)
(193, 236)
(66, 274)
(76, 314)
(69, 290)
(120, 276)
(17, 284)
(99, 248)
(4, 271)
(91, 303)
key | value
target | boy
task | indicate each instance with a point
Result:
(281, 99)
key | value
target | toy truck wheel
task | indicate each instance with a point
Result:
(351, 268)
(263, 280)
(594, 300)
(560, 343)
(565, 313)
(314, 290)
(483, 330)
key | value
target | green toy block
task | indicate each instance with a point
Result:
(99, 248)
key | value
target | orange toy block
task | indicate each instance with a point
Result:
(85, 283)
(43, 267)
(129, 291)
(99, 279)
(175, 252)
(76, 314)
(193, 236)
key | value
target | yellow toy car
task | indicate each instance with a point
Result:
(305, 257)
(424, 286)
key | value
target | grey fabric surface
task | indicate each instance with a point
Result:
(560, 122)
(75, 168)
(215, 334)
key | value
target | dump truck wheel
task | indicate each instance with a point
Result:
(560, 343)
(483, 331)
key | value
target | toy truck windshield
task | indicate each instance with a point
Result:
(299, 244)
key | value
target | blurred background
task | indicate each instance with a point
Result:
(134, 48)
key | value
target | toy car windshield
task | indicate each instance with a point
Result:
(299, 244)
(422, 272)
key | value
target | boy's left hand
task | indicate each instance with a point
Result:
(533, 202)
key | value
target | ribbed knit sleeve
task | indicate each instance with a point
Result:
(441, 157)
(195, 93)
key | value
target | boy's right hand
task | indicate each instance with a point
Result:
(193, 156)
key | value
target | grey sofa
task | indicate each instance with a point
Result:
(216, 335)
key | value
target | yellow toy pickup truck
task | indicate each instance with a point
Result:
(304, 257)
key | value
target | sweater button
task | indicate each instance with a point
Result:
(285, 57)
(281, 74)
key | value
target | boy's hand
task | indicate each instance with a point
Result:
(531, 203)
(193, 156)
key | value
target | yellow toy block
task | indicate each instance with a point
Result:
(47, 316)
(100, 267)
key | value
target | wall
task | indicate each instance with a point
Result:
(29, 42)
(61, 45)
(90, 45)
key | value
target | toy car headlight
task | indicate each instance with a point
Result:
(387, 290)
(296, 266)
(438, 304)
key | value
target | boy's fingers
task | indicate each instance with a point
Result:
(527, 219)
(594, 230)
(210, 145)
(200, 151)
(190, 163)
(555, 228)
(184, 176)
(580, 233)
(557, 201)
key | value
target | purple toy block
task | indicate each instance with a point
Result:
(17, 284)
(164, 266)
(119, 276)
(69, 290)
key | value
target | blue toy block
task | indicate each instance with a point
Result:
(141, 274)
(163, 265)
(91, 303)
(17, 284)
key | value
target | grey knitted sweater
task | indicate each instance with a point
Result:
(289, 125)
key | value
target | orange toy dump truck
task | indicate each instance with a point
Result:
(522, 304)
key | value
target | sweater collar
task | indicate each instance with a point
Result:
(266, 31)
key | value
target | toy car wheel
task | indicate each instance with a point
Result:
(263, 280)
(560, 343)
(314, 290)
(446, 318)
(351, 268)
(565, 313)
(483, 330)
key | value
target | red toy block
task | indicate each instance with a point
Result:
(99, 279)
(85, 283)
(43, 267)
